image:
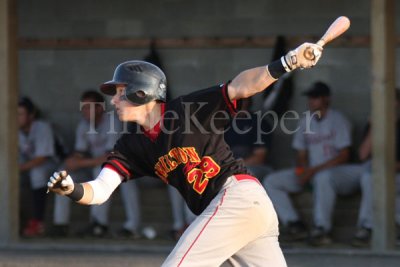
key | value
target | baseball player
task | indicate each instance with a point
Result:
(181, 142)
(37, 160)
(95, 136)
(322, 143)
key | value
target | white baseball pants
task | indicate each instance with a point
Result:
(239, 226)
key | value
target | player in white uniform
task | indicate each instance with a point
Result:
(36, 154)
(323, 144)
(96, 135)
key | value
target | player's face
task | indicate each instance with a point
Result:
(126, 110)
(88, 109)
(318, 103)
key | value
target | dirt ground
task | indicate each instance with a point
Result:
(55, 258)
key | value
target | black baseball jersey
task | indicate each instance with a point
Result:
(186, 149)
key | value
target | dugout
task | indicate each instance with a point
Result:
(382, 39)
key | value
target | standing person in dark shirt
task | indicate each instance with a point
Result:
(182, 143)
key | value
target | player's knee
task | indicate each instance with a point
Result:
(366, 180)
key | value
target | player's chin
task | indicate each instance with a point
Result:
(125, 117)
(122, 117)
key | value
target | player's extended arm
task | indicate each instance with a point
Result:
(302, 159)
(89, 193)
(341, 158)
(307, 173)
(252, 81)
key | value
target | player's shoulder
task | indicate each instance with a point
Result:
(40, 125)
(41, 129)
(304, 118)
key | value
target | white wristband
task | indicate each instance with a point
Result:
(285, 64)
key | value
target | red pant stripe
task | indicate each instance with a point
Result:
(204, 227)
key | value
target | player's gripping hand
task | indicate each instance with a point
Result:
(304, 56)
(61, 183)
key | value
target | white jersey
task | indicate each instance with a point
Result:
(99, 140)
(39, 142)
(324, 138)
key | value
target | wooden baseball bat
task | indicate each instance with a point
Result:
(337, 28)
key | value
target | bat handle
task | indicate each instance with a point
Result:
(309, 52)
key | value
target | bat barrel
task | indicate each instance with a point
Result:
(337, 28)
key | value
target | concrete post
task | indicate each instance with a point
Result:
(8, 124)
(383, 122)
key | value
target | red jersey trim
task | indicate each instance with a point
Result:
(119, 165)
(204, 227)
(232, 105)
(243, 177)
(153, 133)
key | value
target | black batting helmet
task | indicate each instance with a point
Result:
(144, 82)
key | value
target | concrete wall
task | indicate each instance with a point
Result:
(134, 18)
(55, 78)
